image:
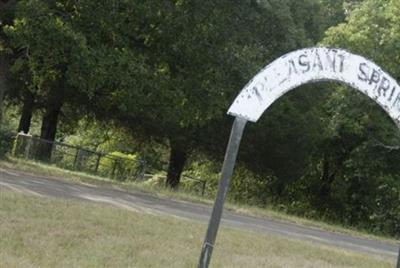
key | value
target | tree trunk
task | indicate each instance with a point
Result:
(48, 130)
(26, 113)
(3, 83)
(327, 179)
(177, 160)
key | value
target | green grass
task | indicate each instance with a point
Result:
(46, 232)
(40, 169)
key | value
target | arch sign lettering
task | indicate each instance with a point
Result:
(313, 65)
(282, 75)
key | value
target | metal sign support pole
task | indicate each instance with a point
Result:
(227, 170)
(398, 260)
(397, 122)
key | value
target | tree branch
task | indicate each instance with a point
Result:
(387, 147)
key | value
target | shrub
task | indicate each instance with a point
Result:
(120, 166)
(7, 141)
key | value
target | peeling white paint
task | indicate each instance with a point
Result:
(312, 65)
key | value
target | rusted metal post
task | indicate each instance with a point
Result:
(227, 170)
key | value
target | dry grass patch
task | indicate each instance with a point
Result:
(49, 171)
(45, 232)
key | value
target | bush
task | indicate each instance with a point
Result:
(157, 180)
(246, 187)
(6, 142)
(201, 170)
(120, 166)
(250, 188)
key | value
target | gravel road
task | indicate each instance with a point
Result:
(141, 202)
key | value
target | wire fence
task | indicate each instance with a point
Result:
(77, 158)
(81, 159)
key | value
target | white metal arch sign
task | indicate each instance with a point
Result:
(313, 65)
(286, 73)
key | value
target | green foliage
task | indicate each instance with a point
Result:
(250, 188)
(18, 146)
(352, 174)
(99, 136)
(135, 78)
(372, 29)
(203, 170)
(53, 51)
(120, 166)
(246, 187)
(6, 142)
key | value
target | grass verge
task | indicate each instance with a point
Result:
(46, 232)
(40, 169)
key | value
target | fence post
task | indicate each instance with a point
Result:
(76, 157)
(28, 146)
(142, 171)
(203, 190)
(113, 169)
(96, 168)
(53, 150)
(16, 146)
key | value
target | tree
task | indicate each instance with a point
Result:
(198, 62)
(6, 15)
(351, 170)
(53, 55)
(281, 142)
